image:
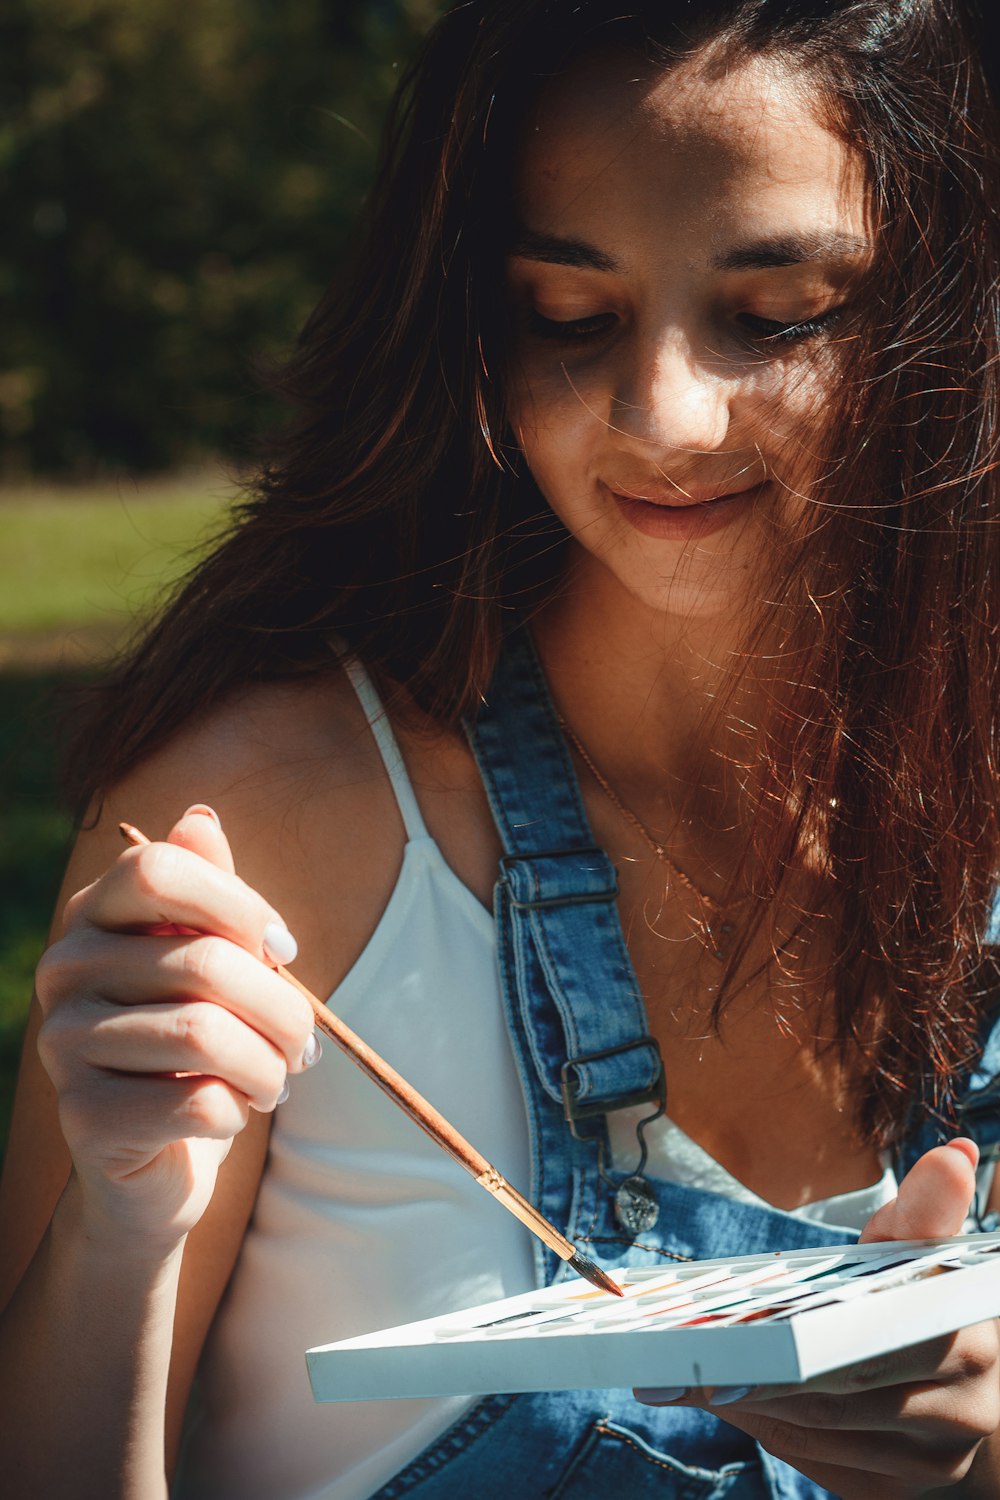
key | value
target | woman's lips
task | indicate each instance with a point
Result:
(686, 521)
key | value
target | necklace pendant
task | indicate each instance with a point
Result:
(636, 1209)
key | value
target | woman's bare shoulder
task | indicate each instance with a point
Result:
(260, 746)
(295, 776)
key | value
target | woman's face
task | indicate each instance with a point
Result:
(684, 251)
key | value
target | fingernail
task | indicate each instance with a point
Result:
(725, 1395)
(206, 812)
(661, 1394)
(313, 1051)
(279, 945)
(283, 1095)
(962, 1143)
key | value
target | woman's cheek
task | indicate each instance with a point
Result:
(554, 418)
(792, 423)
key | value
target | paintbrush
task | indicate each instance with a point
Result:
(435, 1125)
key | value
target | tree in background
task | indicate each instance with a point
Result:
(177, 182)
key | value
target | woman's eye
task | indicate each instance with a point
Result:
(768, 331)
(571, 330)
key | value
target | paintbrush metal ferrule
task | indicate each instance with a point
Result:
(529, 1216)
(434, 1124)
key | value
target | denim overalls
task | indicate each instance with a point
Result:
(578, 1028)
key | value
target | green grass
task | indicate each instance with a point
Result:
(92, 557)
(74, 565)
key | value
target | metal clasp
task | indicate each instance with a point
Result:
(635, 1204)
(573, 1110)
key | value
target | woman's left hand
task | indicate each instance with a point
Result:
(906, 1424)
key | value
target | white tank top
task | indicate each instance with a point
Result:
(361, 1222)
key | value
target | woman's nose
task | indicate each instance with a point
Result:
(668, 399)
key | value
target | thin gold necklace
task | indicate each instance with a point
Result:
(718, 930)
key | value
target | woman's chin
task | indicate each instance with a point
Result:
(698, 587)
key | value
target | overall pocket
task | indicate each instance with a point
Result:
(563, 1448)
(615, 1461)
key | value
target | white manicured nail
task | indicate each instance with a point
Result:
(658, 1395)
(283, 1095)
(313, 1051)
(279, 945)
(725, 1395)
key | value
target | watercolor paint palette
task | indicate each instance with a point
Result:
(763, 1319)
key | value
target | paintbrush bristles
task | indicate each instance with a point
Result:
(593, 1273)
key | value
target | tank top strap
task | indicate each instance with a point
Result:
(385, 739)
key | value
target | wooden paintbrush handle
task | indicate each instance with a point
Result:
(420, 1111)
(425, 1115)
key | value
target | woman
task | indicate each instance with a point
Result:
(664, 456)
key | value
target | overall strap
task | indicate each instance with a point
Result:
(557, 898)
(574, 1009)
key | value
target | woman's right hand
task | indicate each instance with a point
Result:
(164, 1024)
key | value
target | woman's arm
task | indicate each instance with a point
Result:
(295, 775)
(112, 1264)
(36, 1171)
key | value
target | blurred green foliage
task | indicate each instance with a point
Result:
(34, 842)
(177, 185)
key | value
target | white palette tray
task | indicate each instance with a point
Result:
(755, 1320)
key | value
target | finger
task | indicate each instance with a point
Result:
(929, 1410)
(166, 884)
(933, 1199)
(136, 972)
(200, 830)
(858, 1453)
(191, 1037)
(150, 1114)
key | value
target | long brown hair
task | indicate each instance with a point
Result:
(394, 509)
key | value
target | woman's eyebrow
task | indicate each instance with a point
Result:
(529, 244)
(758, 255)
(791, 250)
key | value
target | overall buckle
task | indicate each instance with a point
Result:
(636, 1207)
(574, 1110)
(558, 877)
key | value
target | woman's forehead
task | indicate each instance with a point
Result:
(615, 128)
